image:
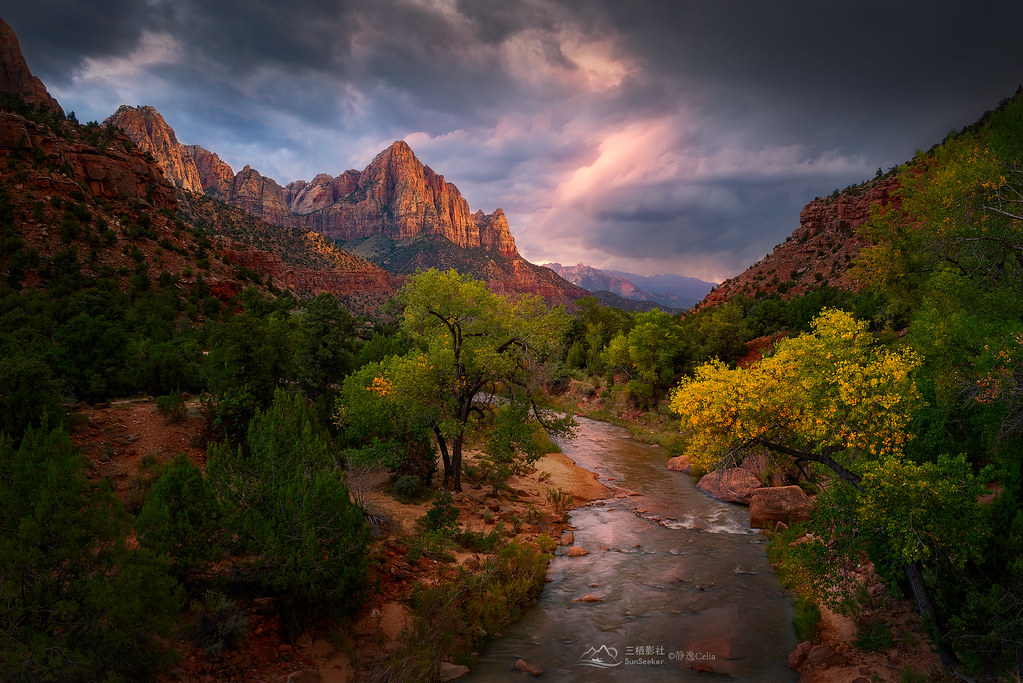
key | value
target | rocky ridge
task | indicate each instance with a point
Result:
(396, 198)
(818, 253)
(15, 77)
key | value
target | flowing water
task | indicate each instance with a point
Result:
(684, 584)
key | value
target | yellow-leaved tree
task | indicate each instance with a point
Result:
(832, 396)
(838, 398)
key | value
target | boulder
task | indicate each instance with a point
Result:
(680, 463)
(786, 504)
(576, 551)
(824, 655)
(799, 655)
(451, 672)
(525, 667)
(732, 485)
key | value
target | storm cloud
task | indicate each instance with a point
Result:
(646, 136)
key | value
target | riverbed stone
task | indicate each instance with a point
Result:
(798, 656)
(567, 538)
(576, 551)
(785, 504)
(732, 485)
(825, 655)
(680, 463)
(452, 672)
(525, 667)
(719, 647)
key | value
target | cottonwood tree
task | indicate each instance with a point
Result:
(477, 350)
(836, 398)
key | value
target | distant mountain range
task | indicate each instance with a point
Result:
(397, 213)
(667, 291)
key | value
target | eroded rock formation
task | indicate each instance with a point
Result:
(150, 132)
(818, 252)
(15, 77)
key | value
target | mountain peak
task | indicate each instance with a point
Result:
(150, 132)
(15, 77)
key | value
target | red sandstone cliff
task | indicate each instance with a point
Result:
(107, 172)
(15, 77)
(817, 253)
(395, 195)
(150, 132)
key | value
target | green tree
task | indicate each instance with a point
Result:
(650, 355)
(182, 519)
(481, 349)
(288, 501)
(326, 344)
(392, 402)
(76, 603)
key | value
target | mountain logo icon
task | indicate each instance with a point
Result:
(603, 657)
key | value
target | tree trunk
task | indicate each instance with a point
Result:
(442, 444)
(456, 462)
(923, 601)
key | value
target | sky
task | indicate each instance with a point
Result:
(650, 136)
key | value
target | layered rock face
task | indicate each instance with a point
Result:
(335, 282)
(108, 172)
(818, 252)
(398, 197)
(216, 178)
(150, 132)
(395, 196)
(15, 77)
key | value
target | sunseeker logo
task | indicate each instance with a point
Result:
(603, 657)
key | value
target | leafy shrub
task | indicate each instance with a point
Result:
(182, 518)
(443, 515)
(406, 488)
(478, 541)
(806, 616)
(873, 637)
(561, 500)
(219, 622)
(172, 406)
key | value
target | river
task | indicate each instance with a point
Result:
(684, 584)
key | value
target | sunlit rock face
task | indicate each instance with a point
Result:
(395, 197)
(150, 133)
(398, 197)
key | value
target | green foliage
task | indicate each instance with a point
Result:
(475, 345)
(172, 406)
(561, 500)
(28, 393)
(873, 637)
(219, 622)
(289, 504)
(406, 488)
(389, 401)
(806, 617)
(443, 515)
(449, 617)
(77, 603)
(325, 348)
(182, 519)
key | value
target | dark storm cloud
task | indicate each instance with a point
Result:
(646, 135)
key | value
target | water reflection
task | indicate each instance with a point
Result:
(683, 582)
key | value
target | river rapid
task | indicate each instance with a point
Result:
(684, 584)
